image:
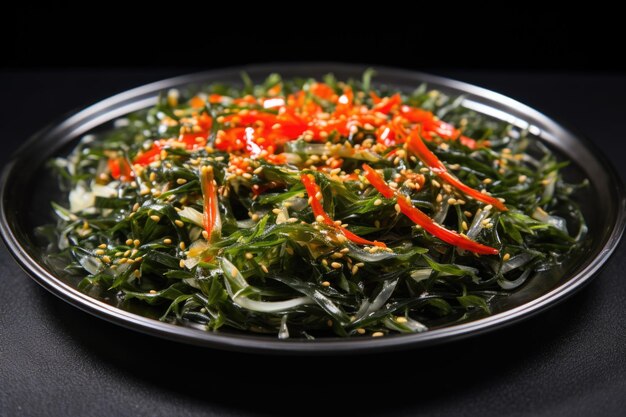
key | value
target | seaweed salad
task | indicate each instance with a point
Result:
(308, 208)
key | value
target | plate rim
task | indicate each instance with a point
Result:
(261, 344)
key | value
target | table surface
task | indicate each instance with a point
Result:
(569, 361)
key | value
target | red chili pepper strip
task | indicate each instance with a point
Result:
(421, 219)
(145, 158)
(120, 170)
(318, 210)
(210, 217)
(419, 148)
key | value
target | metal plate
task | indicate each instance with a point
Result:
(26, 190)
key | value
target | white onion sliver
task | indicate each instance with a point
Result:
(517, 261)
(510, 285)
(191, 214)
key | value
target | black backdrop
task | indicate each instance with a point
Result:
(508, 36)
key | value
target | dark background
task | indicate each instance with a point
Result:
(56, 360)
(507, 36)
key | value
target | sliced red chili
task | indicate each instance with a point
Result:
(419, 148)
(388, 103)
(210, 216)
(420, 218)
(318, 210)
(120, 169)
(148, 156)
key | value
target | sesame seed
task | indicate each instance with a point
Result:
(439, 198)
(464, 225)
(377, 224)
(103, 246)
(452, 201)
(397, 207)
(205, 234)
(378, 202)
(167, 241)
(127, 253)
(137, 273)
(324, 262)
(378, 334)
(258, 170)
(401, 320)
(337, 255)
(345, 250)
(325, 284)
(122, 260)
(467, 213)
(179, 223)
(264, 268)
(360, 330)
(435, 183)
(139, 259)
(336, 265)
(488, 207)
(152, 176)
(319, 219)
(136, 207)
(360, 264)
(318, 195)
(155, 218)
(99, 252)
(255, 217)
(249, 255)
(181, 263)
(136, 242)
(354, 270)
(106, 259)
(487, 181)
(506, 257)
(277, 211)
(153, 292)
(129, 242)
(181, 181)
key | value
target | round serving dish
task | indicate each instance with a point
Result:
(26, 189)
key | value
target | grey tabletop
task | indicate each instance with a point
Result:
(570, 360)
